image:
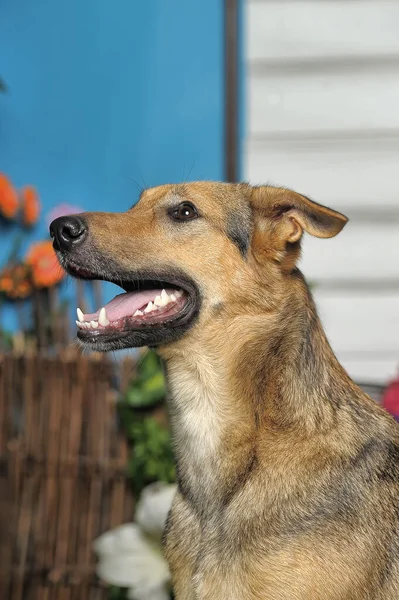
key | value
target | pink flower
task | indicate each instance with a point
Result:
(61, 210)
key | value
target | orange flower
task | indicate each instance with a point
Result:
(30, 205)
(6, 283)
(15, 281)
(8, 198)
(46, 271)
(23, 289)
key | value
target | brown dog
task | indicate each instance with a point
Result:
(288, 474)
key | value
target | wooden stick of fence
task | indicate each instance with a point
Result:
(65, 462)
(38, 318)
(80, 295)
(98, 293)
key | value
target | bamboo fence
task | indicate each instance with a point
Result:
(62, 472)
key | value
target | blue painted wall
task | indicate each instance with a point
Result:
(105, 94)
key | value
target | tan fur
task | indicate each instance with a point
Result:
(288, 474)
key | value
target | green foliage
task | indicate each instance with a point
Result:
(151, 455)
(148, 387)
(3, 87)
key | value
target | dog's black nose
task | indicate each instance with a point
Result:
(67, 232)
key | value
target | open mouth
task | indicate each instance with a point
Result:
(152, 310)
(134, 308)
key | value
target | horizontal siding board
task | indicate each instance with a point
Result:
(372, 371)
(302, 29)
(323, 101)
(362, 251)
(348, 174)
(322, 118)
(361, 326)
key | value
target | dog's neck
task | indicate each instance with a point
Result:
(242, 381)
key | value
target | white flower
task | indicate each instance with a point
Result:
(153, 507)
(130, 555)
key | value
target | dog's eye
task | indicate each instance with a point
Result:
(184, 212)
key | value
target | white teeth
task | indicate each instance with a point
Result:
(80, 315)
(149, 308)
(94, 324)
(102, 318)
(83, 324)
(165, 296)
(138, 313)
(159, 301)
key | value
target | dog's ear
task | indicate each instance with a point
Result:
(281, 216)
(295, 213)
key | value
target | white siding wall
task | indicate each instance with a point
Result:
(323, 118)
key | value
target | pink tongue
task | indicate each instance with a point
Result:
(126, 304)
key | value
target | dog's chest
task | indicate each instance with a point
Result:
(197, 401)
(195, 413)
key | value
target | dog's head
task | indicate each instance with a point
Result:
(187, 255)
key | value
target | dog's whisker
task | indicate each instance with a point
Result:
(189, 172)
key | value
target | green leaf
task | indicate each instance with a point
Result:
(155, 384)
(152, 456)
(149, 364)
(147, 392)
